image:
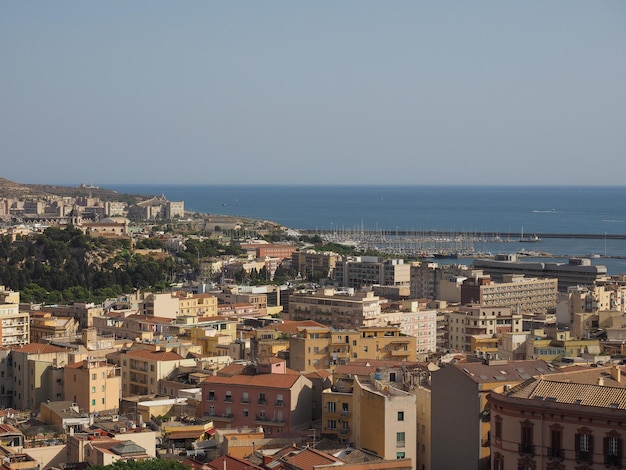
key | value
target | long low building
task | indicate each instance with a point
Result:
(578, 271)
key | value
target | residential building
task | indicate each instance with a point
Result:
(131, 325)
(335, 309)
(576, 272)
(81, 311)
(269, 395)
(314, 264)
(572, 420)
(552, 345)
(471, 321)
(15, 325)
(315, 347)
(361, 271)
(93, 385)
(460, 411)
(179, 303)
(522, 295)
(368, 408)
(45, 327)
(143, 368)
(37, 374)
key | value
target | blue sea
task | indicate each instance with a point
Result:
(494, 210)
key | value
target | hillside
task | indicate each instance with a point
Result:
(11, 189)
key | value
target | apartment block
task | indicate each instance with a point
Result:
(44, 327)
(334, 308)
(268, 395)
(15, 325)
(362, 271)
(368, 409)
(37, 374)
(524, 295)
(93, 385)
(470, 322)
(316, 347)
(143, 368)
(576, 272)
(315, 264)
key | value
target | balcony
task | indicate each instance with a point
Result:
(245, 401)
(267, 421)
(613, 460)
(400, 352)
(525, 448)
(228, 399)
(345, 413)
(555, 453)
(223, 417)
(280, 403)
(400, 444)
(211, 398)
(261, 401)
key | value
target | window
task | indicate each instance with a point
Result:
(93, 389)
(228, 396)
(262, 400)
(93, 402)
(211, 396)
(400, 439)
(556, 442)
(331, 407)
(526, 443)
(400, 455)
(245, 411)
(498, 461)
(93, 376)
(400, 415)
(245, 398)
(583, 445)
(331, 424)
(613, 449)
(279, 399)
(498, 427)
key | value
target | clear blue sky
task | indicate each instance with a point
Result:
(325, 92)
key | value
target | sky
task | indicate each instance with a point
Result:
(327, 92)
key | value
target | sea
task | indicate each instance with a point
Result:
(484, 213)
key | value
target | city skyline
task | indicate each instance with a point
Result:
(325, 93)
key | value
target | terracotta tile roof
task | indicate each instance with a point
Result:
(83, 363)
(291, 326)
(516, 371)
(154, 355)
(231, 463)
(284, 381)
(38, 348)
(319, 374)
(150, 318)
(581, 394)
(308, 459)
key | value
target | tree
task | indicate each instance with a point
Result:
(151, 464)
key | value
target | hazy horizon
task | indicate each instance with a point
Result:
(485, 93)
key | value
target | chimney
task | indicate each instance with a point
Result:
(601, 381)
(616, 373)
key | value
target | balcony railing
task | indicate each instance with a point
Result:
(400, 444)
(279, 403)
(261, 401)
(555, 453)
(525, 448)
(614, 460)
(228, 399)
